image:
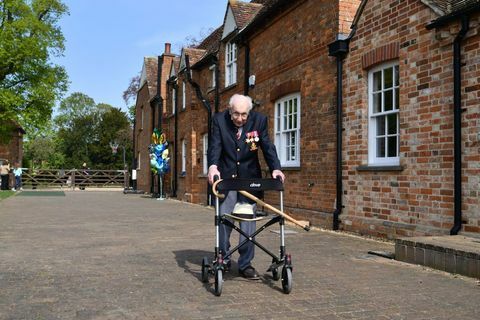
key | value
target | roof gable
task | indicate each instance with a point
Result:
(149, 73)
(194, 55)
(238, 15)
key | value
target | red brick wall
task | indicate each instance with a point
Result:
(13, 151)
(142, 138)
(419, 199)
(290, 55)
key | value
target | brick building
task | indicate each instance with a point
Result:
(381, 69)
(149, 110)
(283, 46)
(400, 145)
(13, 149)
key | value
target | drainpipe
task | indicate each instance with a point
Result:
(339, 49)
(457, 123)
(217, 88)
(134, 157)
(205, 103)
(152, 176)
(173, 81)
(457, 105)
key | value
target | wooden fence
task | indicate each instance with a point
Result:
(75, 178)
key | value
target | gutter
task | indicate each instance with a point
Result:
(339, 49)
(457, 105)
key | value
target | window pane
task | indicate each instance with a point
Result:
(388, 78)
(377, 81)
(396, 76)
(388, 100)
(279, 115)
(397, 99)
(392, 146)
(292, 155)
(377, 102)
(392, 123)
(380, 126)
(294, 126)
(380, 147)
(293, 137)
(295, 105)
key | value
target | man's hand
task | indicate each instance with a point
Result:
(212, 172)
(278, 174)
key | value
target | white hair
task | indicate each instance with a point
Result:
(240, 96)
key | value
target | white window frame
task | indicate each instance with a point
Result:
(205, 152)
(377, 114)
(174, 93)
(141, 118)
(212, 69)
(287, 126)
(184, 96)
(139, 160)
(184, 156)
(230, 64)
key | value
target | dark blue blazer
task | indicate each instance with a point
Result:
(237, 158)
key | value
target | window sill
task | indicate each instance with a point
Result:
(380, 168)
(291, 168)
(228, 88)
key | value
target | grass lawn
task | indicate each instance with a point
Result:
(5, 194)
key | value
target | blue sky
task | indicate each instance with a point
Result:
(106, 40)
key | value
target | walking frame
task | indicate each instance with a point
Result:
(245, 186)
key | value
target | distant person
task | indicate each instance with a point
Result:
(84, 175)
(17, 172)
(5, 174)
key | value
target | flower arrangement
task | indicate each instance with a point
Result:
(159, 153)
(252, 140)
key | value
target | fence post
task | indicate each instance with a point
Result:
(73, 179)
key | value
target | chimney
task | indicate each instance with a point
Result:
(167, 48)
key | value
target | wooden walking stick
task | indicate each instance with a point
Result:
(262, 203)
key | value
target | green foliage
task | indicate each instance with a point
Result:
(29, 83)
(85, 130)
(5, 194)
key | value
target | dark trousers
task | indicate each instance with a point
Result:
(5, 182)
(18, 182)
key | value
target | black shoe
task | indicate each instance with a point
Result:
(249, 273)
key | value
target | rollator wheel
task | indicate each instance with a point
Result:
(218, 282)
(287, 280)
(205, 269)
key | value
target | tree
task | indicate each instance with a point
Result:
(130, 94)
(85, 130)
(29, 83)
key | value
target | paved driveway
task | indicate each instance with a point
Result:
(106, 255)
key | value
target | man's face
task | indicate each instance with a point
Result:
(239, 112)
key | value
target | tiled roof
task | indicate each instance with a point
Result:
(194, 54)
(244, 12)
(151, 69)
(444, 7)
(210, 44)
(268, 8)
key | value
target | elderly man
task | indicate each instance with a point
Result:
(237, 134)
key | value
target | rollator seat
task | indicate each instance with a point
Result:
(244, 219)
(243, 210)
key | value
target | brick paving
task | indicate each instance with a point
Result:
(106, 255)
